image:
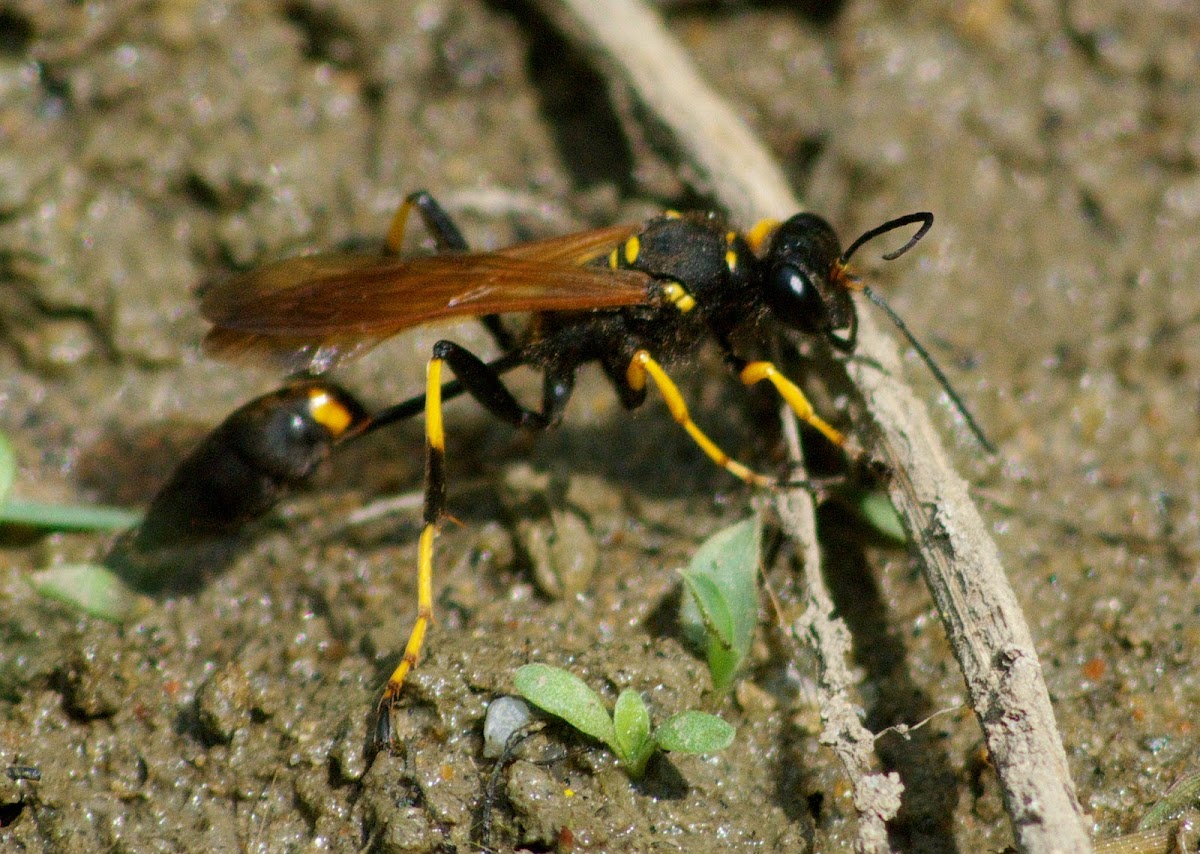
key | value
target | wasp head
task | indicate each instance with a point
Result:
(806, 284)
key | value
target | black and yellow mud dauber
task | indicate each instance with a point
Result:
(629, 297)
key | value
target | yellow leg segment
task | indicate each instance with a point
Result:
(435, 434)
(395, 235)
(435, 491)
(643, 365)
(758, 371)
(416, 638)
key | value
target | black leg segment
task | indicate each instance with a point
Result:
(481, 382)
(445, 233)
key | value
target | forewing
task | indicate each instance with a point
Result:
(581, 247)
(321, 309)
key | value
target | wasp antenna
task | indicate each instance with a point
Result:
(923, 217)
(931, 364)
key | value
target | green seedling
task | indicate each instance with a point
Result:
(720, 611)
(91, 588)
(67, 517)
(627, 731)
(58, 517)
(8, 468)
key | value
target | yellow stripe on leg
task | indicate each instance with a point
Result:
(435, 433)
(757, 371)
(643, 365)
(416, 638)
(395, 235)
(434, 508)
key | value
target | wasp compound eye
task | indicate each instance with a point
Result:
(795, 299)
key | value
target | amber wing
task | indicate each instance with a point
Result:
(313, 311)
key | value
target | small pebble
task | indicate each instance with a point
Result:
(505, 715)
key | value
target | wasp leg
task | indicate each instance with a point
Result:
(438, 223)
(642, 365)
(447, 238)
(481, 382)
(754, 372)
(416, 405)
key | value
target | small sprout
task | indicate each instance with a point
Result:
(721, 611)
(693, 732)
(68, 517)
(8, 468)
(1169, 825)
(60, 517)
(91, 588)
(634, 745)
(566, 696)
(627, 733)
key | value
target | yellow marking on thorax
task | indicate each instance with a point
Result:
(678, 296)
(758, 235)
(731, 256)
(633, 248)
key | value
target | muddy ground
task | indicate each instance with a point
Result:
(146, 147)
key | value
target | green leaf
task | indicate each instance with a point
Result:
(8, 467)
(722, 608)
(723, 666)
(1183, 794)
(59, 516)
(631, 720)
(566, 696)
(877, 510)
(91, 588)
(70, 517)
(694, 732)
(711, 607)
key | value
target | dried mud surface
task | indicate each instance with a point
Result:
(145, 147)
